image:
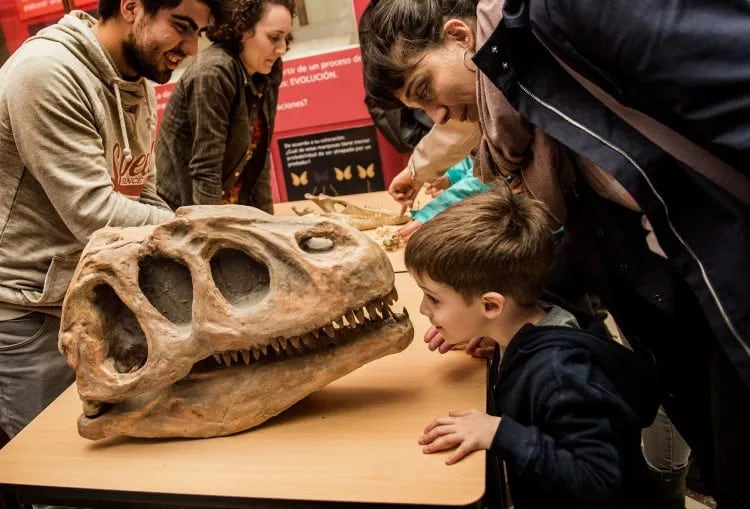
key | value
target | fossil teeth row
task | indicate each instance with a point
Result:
(377, 310)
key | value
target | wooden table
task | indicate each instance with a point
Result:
(380, 200)
(354, 441)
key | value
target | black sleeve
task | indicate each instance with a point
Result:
(685, 63)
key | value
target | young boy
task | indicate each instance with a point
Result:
(570, 402)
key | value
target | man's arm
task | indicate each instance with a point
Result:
(57, 138)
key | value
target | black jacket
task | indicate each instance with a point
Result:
(684, 64)
(572, 404)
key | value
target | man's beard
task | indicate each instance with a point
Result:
(143, 61)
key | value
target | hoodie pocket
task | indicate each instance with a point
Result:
(19, 332)
(56, 282)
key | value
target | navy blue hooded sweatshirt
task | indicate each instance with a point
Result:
(572, 404)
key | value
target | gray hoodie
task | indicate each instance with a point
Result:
(76, 154)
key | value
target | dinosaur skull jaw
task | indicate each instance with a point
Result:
(245, 395)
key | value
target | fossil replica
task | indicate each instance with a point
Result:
(218, 320)
(362, 218)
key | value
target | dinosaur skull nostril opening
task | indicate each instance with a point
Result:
(241, 279)
(125, 340)
(316, 245)
(168, 287)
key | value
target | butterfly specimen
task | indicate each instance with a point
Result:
(366, 173)
(345, 174)
(299, 180)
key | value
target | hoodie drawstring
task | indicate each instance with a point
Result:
(121, 114)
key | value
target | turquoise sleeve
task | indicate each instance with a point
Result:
(455, 193)
(461, 170)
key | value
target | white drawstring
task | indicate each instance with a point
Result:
(126, 149)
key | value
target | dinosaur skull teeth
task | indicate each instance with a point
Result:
(310, 340)
(276, 345)
(337, 331)
(392, 297)
(372, 311)
(92, 408)
(360, 314)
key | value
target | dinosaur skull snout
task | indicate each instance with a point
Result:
(173, 328)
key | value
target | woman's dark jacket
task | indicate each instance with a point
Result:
(207, 128)
(684, 64)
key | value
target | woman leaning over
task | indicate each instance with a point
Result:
(633, 237)
(213, 143)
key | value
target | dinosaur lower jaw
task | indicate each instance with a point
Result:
(215, 402)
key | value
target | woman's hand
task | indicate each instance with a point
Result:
(404, 189)
(470, 430)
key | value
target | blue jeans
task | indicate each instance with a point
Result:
(33, 372)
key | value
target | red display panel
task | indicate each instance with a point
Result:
(33, 8)
(320, 90)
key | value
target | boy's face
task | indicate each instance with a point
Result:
(447, 310)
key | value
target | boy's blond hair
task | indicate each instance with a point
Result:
(490, 242)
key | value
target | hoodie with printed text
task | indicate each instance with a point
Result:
(76, 155)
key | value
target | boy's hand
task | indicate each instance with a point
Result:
(481, 348)
(437, 186)
(409, 228)
(436, 341)
(470, 430)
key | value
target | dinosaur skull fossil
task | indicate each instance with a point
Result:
(362, 218)
(218, 320)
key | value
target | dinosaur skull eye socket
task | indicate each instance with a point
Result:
(316, 245)
(241, 279)
(167, 285)
(126, 344)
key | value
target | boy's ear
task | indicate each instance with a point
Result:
(493, 304)
(461, 32)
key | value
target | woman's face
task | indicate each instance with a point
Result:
(442, 84)
(267, 42)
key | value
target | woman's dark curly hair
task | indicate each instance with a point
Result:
(245, 15)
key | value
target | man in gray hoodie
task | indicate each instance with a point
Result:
(77, 126)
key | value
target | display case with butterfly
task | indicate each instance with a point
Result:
(335, 163)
